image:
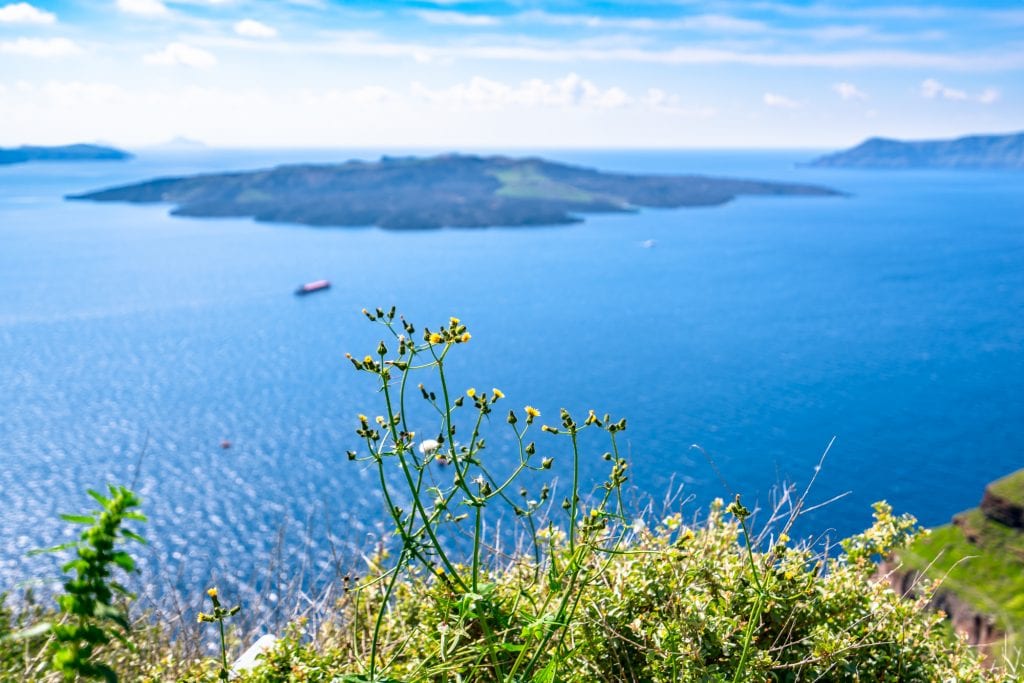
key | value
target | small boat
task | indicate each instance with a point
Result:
(314, 286)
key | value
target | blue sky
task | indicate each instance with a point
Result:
(507, 73)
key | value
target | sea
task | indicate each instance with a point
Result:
(739, 341)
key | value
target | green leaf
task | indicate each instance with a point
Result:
(99, 497)
(124, 561)
(29, 633)
(79, 519)
(54, 549)
(127, 533)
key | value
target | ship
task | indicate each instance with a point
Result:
(314, 286)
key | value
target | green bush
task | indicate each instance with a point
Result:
(596, 592)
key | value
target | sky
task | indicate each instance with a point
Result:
(508, 73)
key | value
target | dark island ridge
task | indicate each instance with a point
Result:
(442, 191)
(26, 153)
(971, 152)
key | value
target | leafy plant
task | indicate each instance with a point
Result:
(450, 488)
(90, 617)
(219, 614)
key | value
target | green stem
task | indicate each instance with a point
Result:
(223, 652)
(574, 501)
(380, 618)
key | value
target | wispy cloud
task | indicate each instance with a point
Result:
(989, 96)
(823, 10)
(250, 28)
(181, 54)
(772, 99)
(848, 91)
(24, 13)
(146, 8)
(513, 49)
(663, 101)
(933, 89)
(43, 48)
(483, 93)
(704, 22)
(452, 18)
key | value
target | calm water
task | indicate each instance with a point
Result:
(892, 319)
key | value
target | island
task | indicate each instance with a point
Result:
(81, 152)
(450, 190)
(971, 152)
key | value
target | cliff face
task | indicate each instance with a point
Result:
(978, 561)
(981, 630)
(1002, 502)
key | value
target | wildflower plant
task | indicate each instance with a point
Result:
(448, 489)
(218, 615)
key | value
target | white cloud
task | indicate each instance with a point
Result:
(24, 13)
(485, 94)
(147, 8)
(661, 101)
(701, 22)
(781, 101)
(989, 96)
(933, 89)
(448, 18)
(848, 91)
(250, 28)
(181, 54)
(38, 47)
(612, 50)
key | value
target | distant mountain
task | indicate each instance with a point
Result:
(20, 155)
(443, 191)
(975, 151)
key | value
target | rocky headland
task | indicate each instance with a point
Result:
(970, 152)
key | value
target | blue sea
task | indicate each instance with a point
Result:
(738, 340)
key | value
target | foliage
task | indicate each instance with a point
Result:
(450, 485)
(675, 603)
(91, 617)
(218, 615)
(593, 594)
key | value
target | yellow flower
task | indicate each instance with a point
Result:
(362, 418)
(498, 393)
(368, 359)
(471, 392)
(783, 538)
(466, 336)
(435, 338)
(532, 412)
(212, 592)
(454, 321)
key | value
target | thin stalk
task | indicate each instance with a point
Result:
(755, 613)
(380, 619)
(574, 501)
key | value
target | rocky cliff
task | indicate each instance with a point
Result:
(978, 562)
